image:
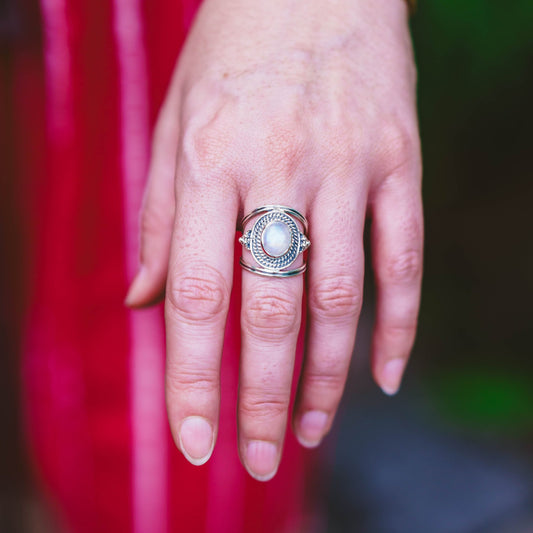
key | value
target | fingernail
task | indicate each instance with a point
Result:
(391, 376)
(312, 428)
(261, 459)
(196, 439)
(135, 289)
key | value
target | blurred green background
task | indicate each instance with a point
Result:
(475, 64)
(453, 452)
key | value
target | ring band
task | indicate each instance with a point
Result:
(275, 241)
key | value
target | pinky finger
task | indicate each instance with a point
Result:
(397, 243)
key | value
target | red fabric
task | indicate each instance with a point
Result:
(78, 393)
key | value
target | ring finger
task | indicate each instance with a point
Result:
(335, 283)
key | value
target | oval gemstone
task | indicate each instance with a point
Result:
(276, 239)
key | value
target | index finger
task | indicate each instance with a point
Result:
(197, 300)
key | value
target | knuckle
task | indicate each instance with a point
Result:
(344, 140)
(342, 154)
(205, 149)
(336, 297)
(329, 379)
(270, 316)
(263, 407)
(400, 147)
(201, 294)
(155, 218)
(184, 379)
(284, 149)
(404, 268)
(400, 334)
(201, 141)
(398, 140)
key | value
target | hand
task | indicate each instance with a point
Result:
(306, 104)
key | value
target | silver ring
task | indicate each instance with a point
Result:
(275, 241)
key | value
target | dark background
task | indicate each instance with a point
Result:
(453, 452)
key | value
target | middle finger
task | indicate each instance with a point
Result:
(270, 322)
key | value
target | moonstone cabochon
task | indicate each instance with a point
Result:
(276, 238)
(256, 247)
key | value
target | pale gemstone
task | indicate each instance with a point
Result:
(276, 239)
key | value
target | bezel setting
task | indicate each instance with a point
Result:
(253, 240)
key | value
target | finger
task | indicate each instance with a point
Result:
(335, 288)
(157, 214)
(270, 321)
(197, 299)
(397, 242)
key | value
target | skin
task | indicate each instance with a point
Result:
(301, 104)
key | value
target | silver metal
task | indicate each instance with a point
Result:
(253, 240)
(288, 210)
(280, 274)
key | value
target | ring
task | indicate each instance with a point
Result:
(275, 240)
